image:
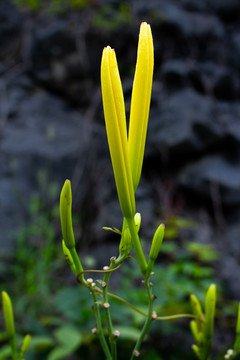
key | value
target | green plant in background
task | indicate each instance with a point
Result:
(10, 334)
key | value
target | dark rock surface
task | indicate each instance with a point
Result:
(51, 114)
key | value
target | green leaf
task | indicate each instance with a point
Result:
(41, 343)
(69, 340)
(5, 352)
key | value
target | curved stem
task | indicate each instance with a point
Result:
(159, 318)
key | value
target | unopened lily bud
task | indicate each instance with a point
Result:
(194, 331)
(68, 257)
(210, 306)
(8, 315)
(115, 120)
(140, 102)
(155, 247)
(66, 215)
(157, 242)
(197, 311)
(137, 219)
(25, 346)
(197, 351)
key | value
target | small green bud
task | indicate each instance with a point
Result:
(157, 242)
(210, 306)
(155, 247)
(197, 351)
(25, 346)
(197, 311)
(194, 331)
(66, 215)
(68, 257)
(8, 315)
(137, 219)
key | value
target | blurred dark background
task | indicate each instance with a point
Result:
(52, 128)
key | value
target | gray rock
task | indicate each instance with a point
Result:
(42, 134)
(187, 123)
(215, 171)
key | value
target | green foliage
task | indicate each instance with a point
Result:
(109, 18)
(52, 6)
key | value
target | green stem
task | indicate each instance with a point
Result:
(148, 321)
(78, 265)
(99, 328)
(112, 338)
(13, 346)
(137, 245)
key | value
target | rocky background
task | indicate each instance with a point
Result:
(51, 118)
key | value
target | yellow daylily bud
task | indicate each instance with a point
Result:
(140, 103)
(25, 346)
(115, 119)
(8, 315)
(66, 215)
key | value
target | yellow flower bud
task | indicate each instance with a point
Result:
(140, 103)
(115, 119)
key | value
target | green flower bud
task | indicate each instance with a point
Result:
(25, 346)
(197, 311)
(210, 311)
(68, 257)
(8, 315)
(66, 215)
(157, 242)
(155, 247)
(137, 219)
(194, 331)
(197, 351)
